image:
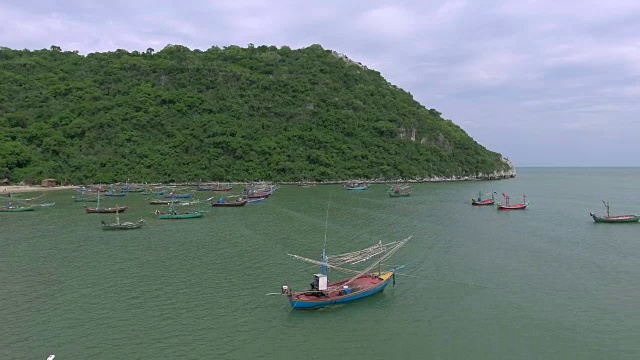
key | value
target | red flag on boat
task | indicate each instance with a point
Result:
(504, 195)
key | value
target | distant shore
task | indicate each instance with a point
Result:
(11, 189)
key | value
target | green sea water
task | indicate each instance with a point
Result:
(542, 283)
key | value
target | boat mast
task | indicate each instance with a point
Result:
(323, 267)
(606, 205)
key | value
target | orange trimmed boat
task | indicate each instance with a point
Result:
(508, 206)
(479, 201)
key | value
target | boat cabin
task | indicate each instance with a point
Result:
(319, 282)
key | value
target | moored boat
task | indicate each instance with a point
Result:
(163, 201)
(16, 208)
(173, 195)
(479, 201)
(105, 210)
(173, 214)
(356, 185)
(126, 225)
(223, 203)
(508, 206)
(400, 190)
(627, 218)
(361, 284)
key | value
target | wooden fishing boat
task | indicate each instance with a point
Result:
(84, 199)
(113, 193)
(223, 203)
(103, 210)
(177, 196)
(173, 214)
(399, 190)
(16, 208)
(163, 201)
(361, 284)
(615, 219)
(479, 201)
(508, 206)
(126, 225)
(355, 185)
(222, 188)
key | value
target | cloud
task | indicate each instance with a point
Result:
(532, 70)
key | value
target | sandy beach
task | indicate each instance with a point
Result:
(15, 189)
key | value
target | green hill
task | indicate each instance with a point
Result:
(231, 114)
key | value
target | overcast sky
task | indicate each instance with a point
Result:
(545, 83)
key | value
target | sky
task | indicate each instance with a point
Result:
(545, 83)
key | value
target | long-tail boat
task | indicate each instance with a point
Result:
(361, 283)
(103, 210)
(614, 218)
(125, 225)
(508, 206)
(479, 201)
(173, 214)
(16, 208)
(356, 185)
(399, 190)
(224, 203)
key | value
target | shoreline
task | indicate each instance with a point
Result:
(15, 189)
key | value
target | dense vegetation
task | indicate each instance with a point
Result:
(231, 114)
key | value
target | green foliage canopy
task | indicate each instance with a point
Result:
(224, 114)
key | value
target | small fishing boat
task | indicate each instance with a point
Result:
(173, 214)
(126, 225)
(163, 201)
(221, 188)
(84, 198)
(173, 195)
(399, 190)
(113, 193)
(356, 185)
(103, 210)
(614, 218)
(361, 284)
(16, 208)
(508, 206)
(479, 201)
(223, 203)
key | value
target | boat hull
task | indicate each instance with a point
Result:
(391, 194)
(482, 202)
(181, 196)
(192, 215)
(17, 209)
(123, 226)
(111, 210)
(512, 207)
(301, 301)
(358, 188)
(229, 204)
(619, 219)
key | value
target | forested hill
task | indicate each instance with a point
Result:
(225, 114)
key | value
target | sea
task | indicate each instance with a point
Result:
(477, 283)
